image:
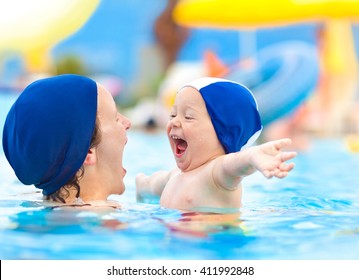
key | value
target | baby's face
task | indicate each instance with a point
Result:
(190, 131)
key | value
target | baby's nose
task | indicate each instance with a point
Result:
(174, 122)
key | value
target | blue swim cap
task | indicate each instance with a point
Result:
(48, 130)
(233, 111)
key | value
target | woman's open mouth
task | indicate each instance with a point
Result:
(180, 145)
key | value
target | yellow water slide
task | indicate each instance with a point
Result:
(261, 13)
(34, 27)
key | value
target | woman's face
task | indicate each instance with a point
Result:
(113, 138)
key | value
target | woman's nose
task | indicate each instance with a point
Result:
(126, 122)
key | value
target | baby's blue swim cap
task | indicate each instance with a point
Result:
(48, 130)
(233, 111)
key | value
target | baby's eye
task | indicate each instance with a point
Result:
(172, 115)
(188, 118)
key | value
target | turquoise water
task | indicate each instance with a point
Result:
(312, 214)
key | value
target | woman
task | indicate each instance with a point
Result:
(65, 136)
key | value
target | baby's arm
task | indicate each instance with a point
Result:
(152, 185)
(268, 158)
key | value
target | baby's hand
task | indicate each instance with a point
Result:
(140, 180)
(270, 160)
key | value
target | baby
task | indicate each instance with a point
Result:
(213, 123)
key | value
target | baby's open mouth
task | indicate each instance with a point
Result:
(181, 145)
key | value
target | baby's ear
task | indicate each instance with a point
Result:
(91, 157)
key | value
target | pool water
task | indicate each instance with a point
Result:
(312, 214)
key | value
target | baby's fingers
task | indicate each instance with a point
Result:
(280, 174)
(283, 170)
(286, 167)
(268, 174)
(276, 173)
(288, 155)
(280, 144)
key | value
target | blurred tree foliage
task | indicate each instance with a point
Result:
(70, 64)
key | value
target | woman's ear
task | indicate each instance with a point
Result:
(91, 157)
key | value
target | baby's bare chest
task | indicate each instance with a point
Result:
(186, 191)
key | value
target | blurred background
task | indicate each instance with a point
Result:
(298, 57)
